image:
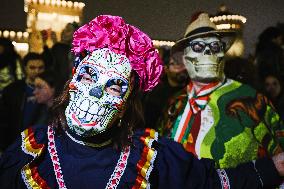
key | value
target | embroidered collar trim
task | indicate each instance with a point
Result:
(88, 143)
(114, 179)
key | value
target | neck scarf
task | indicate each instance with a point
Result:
(197, 101)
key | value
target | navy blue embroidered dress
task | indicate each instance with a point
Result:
(43, 159)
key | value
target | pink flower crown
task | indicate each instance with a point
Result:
(112, 32)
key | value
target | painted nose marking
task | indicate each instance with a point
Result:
(96, 92)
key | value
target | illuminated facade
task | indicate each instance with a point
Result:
(226, 20)
(47, 17)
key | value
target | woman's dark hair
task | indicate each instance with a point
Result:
(33, 56)
(269, 34)
(133, 116)
(9, 56)
(51, 79)
(265, 39)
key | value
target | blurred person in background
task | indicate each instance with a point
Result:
(273, 89)
(174, 79)
(62, 58)
(45, 91)
(10, 65)
(242, 70)
(269, 53)
(18, 105)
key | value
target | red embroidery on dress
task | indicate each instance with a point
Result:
(225, 182)
(114, 179)
(119, 169)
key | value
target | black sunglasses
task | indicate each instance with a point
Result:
(199, 46)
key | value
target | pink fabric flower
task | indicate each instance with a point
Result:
(112, 32)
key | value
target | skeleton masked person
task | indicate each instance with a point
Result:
(93, 140)
(216, 117)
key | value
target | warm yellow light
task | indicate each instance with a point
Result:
(34, 1)
(77, 19)
(6, 34)
(19, 34)
(64, 3)
(223, 26)
(26, 34)
(76, 4)
(47, 2)
(12, 34)
(21, 46)
(58, 2)
(53, 2)
(69, 4)
(54, 15)
(81, 5)
(158, 43)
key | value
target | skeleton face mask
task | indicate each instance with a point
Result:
(98, 92)
(204, 59)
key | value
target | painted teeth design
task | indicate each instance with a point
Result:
(94, 108)
(82, 114)
(88, 112)
(101, 112)
(84, 105)
(89, 117)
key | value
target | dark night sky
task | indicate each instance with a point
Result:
(165, 19)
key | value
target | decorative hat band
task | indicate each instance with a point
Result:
(200, 30)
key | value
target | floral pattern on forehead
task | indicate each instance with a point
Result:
(112, 32)
(111, 62)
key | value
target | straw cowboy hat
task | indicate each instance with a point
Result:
(203, 27)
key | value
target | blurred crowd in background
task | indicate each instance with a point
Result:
(29, 84)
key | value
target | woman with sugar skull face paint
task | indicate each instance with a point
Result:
(93, 140)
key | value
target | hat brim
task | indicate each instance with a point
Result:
(226, 36)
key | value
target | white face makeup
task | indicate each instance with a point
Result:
(98, 92)
(204, 59)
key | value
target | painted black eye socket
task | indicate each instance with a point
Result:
(116, 87)
(88, 74)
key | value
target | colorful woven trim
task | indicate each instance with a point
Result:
(225, 182)
(29, 172)
(148, 156)
(29, 144)
(32, 178)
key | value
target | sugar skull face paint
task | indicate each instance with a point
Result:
(98, 92)
(204, 59)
